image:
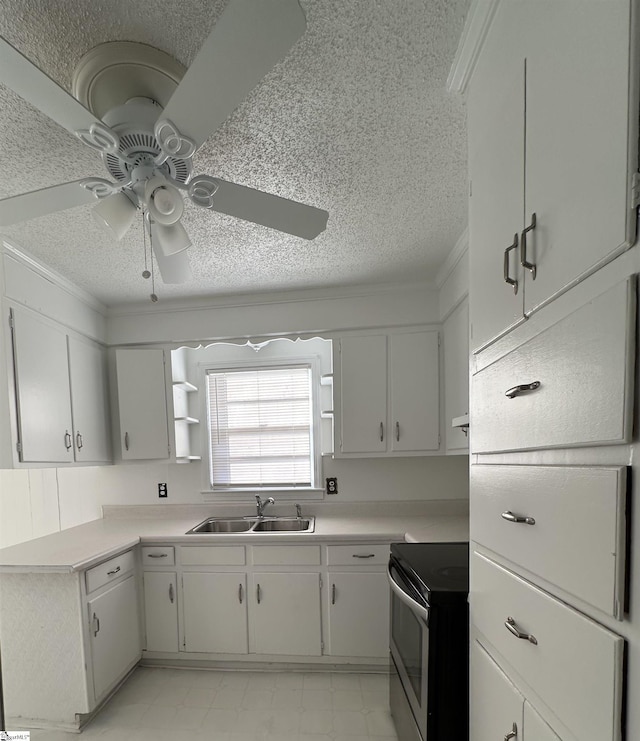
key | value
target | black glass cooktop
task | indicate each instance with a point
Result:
(439, 571)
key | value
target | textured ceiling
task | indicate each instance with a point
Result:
(355, 120)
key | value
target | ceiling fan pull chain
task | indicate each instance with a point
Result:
(145, 273)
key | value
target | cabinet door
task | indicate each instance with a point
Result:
(215, 612)
(115, 634)
(495, 704)
(285, 614)
(581, 143)
(456, 375)
(161, 611)
(358, 614)
(414, 391)
(89, 401)
(496, 125)
(42, 390)
(535, 728)
(142, 404)
(363, 394)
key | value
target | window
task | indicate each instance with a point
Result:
(261, 430)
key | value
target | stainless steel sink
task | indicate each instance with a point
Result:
(283, 525)
(223, 525)
(230, 525)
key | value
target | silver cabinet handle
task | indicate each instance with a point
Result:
(171, 595)
(126, 440)
(511, 281)
(398, 432)
(240, 594)
(79, 442)
(333, 594)
(157, 555)
(96, 625)
(381, 432)
(258, 593)
(513, 733)
(67, 440)
(113, 571)
(523, 248)
(510, 625)
(510, 517)
(521, 388)
(363, 555)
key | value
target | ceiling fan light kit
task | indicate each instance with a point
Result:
(147, 117)
(116, 212)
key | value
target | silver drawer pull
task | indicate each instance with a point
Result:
(171, 595)
(523, 247)
(521, 388)
(364, 555)
(511, 281)
(157, 555)
(513, 733)
(114, 571)
(96, 625)
(333, 594)
(381, 432)
(510, 517)
(240, 593)
(67, 440)
(510, 625)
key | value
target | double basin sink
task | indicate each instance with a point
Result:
(219, 525)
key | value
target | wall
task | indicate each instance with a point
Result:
(35, 502)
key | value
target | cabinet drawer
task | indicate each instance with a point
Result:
(228, 555)
(583, 365)
(109, 571)
(357, 555)
(158, 555)
(577, 539)
(274, 555)
(576, 666)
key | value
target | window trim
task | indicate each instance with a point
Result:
(235, 494)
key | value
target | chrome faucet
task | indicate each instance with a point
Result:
(262, 503)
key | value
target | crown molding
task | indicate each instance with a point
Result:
(475, 30)
(7, 247)
(458, 252)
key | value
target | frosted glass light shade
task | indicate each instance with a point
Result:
(169, 239)
(116, 212)
(164, 202)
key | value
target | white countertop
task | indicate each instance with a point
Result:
(83, 546)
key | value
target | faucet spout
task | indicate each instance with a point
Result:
(262, 503)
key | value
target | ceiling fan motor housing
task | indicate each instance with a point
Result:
(134, 123)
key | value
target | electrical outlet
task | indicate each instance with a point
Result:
(332, 485)
(162, 491)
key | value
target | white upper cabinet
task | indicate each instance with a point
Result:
(456, 374)
(387, 395)
(60, 394)
(142, 404)
(87, 368)
(553, 129)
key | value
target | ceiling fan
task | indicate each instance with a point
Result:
(147, 117)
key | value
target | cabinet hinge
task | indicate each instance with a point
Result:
(19, 447)
(635, 190)
(439, 440)
(322, 645)
(11, 320)
(321, 583)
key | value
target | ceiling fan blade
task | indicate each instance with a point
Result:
(173, 268)
(42, 202)
(34, 86)
(250, 37)
(269, 210)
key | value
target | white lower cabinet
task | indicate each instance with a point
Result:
(358, 614)
(161, 611)
(115, 634)
(497, 709)
(215, 612)
(285, 614)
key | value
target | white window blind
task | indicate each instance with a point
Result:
(260, 427)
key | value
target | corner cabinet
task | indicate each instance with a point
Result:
(141, 404)
(531, 121)
(386, 393)
(61, 393)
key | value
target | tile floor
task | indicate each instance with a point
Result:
(197, 705)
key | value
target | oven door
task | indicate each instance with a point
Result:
(409, 644)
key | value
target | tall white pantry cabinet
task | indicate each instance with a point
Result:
(552, 94)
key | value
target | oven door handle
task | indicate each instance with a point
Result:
(416, 607)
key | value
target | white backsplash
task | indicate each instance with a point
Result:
(36, 502)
